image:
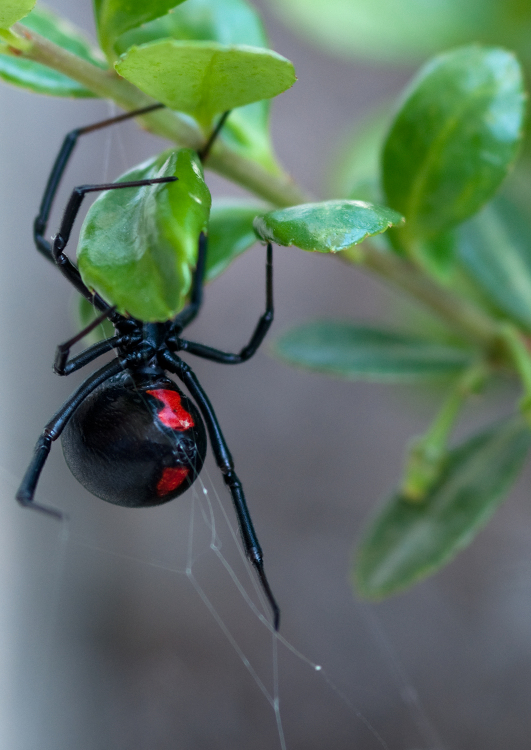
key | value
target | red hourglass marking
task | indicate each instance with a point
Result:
(171, 479)
(173, 414)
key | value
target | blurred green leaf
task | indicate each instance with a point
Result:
(356, 166)
(115, 17)
(495, 249)
(452, 142)
(326, 227)
(205, 78)
(39, 78)
(355, 171)
(438, 255)
(355, 352)
(12, 11)
(408, 30)
(230, 233)
(408, 541)
(247, 133)
(138, 246)
(227, 22)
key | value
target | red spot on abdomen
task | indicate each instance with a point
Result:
(171, 479)
(173, 414)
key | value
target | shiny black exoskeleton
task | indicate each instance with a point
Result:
(130, 436)
(135, 443)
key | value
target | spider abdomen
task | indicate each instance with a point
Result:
(135, 445)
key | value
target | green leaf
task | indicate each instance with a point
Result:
(12, 11)
(495, 249)
(408, 541)
(326, 227)
(407, 30)
(115, 17)
(438, 255)
(227, 22)
(205, 78)
(230, 233)
(138, 246)
(355, 352)
(39, 78)
(247, 133)
(224, 21)
(453, 141)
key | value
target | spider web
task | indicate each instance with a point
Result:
(207, 514)
(202, 508)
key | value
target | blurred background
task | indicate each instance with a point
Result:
(106, 642)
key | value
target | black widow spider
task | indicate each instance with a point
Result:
(129, 435)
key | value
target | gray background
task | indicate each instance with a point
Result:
(102, 647)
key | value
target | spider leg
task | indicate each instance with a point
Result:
(262, 327)
(226, 465)
(53, 430)
(205, 151)
(61, 239)
(65, 366)
(41, 220)
(62, 159)
(185, 317)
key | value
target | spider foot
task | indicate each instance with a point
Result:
(259, 565)
(49, 511)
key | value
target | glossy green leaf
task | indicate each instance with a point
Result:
(205, 78)
(115, 17)
(408, 541)
(230, 233)
(12, 11)
(227, 22)
(495, 249)
(355, 352)
(39, 78)
(326, 227)
(138, 246)
(453, 141)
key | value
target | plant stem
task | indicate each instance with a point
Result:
(278, 189)
(519, 353)
(520, 357)
(427, 453)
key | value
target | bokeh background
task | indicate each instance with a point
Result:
(105, 642)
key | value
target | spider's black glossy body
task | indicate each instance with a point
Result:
(135, 443)
(129, 435)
